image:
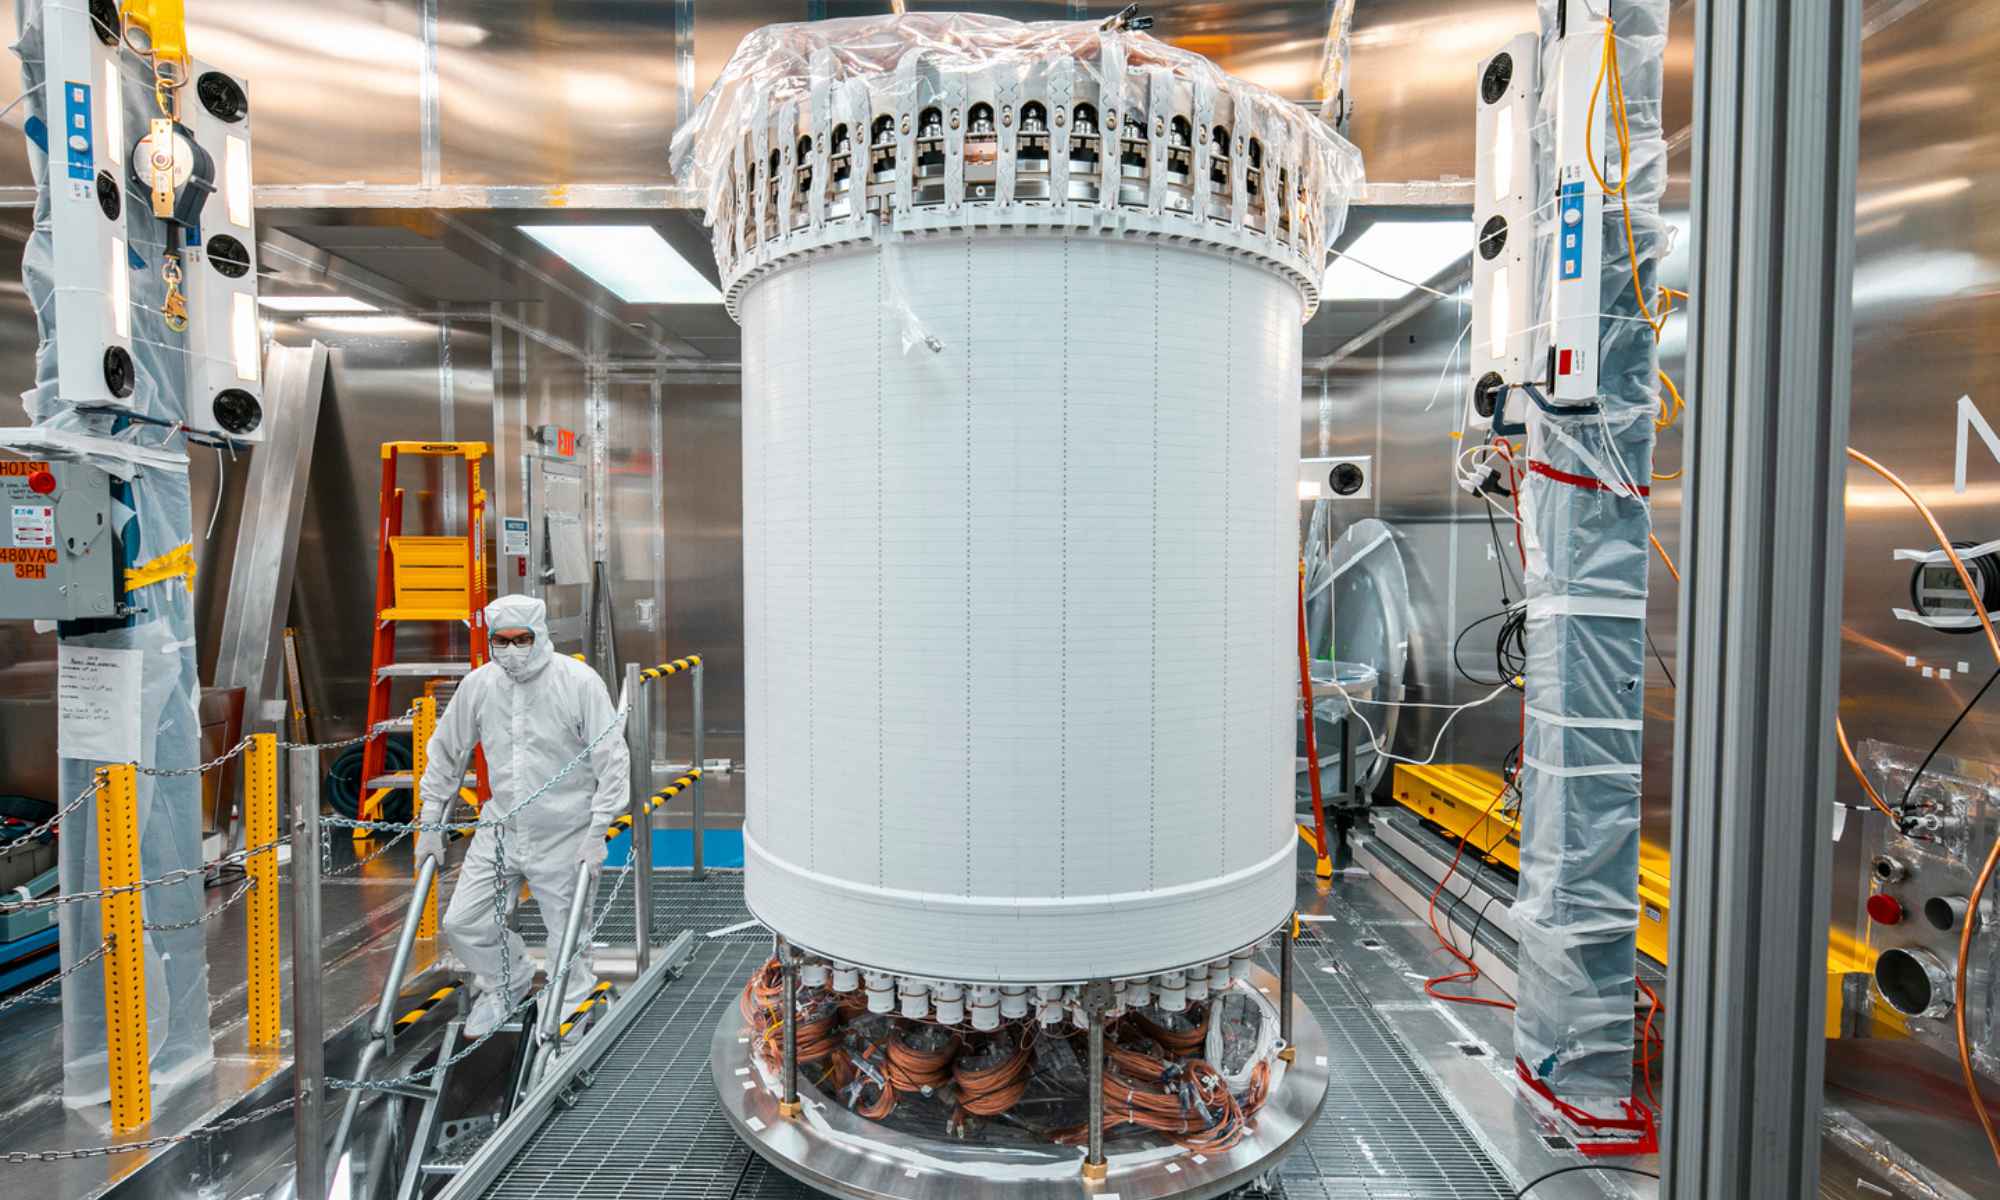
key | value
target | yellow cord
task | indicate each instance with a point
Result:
(1671, 404)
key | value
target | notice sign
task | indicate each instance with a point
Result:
(98, 703)
(33, 524)
(514, 535)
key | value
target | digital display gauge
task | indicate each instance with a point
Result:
(1936, 591)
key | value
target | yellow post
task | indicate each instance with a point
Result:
(124, 918)
(422, 724)
(260, 826)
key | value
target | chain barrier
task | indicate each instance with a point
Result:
(484, 821)
(236, 751)
(221, 760)
(206, 1131)
(206, 917)
(327, 872)
(38, 831)
(185, 873)
(181, 875)
(419, 1078)
(30, 993)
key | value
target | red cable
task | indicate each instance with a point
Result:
(1312, 741)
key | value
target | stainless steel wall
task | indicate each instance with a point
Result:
(378, 93)
(1927, 300)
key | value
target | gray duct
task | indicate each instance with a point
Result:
(154, 506)
(1586, 521)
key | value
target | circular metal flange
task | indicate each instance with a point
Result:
(836, 1151)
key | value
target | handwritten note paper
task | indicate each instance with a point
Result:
(97, 693)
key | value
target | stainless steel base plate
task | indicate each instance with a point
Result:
(832, 1149)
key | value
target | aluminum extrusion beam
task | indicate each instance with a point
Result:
(308, 1014)
(1776, 129)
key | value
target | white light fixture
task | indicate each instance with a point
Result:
(236, 181)
(1497, 303)
(114, 114)
(1390, 258)
(376, 324)
(1503, 153)
(315, 304)
(633, 262)
(120, 289)
(243, 336)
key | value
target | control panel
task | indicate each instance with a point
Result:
(58, 559)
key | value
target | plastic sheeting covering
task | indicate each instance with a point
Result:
(784, 62)
(152, 516)
(1577, 910)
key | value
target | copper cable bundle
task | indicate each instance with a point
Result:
(1188, 1100)
(989, 1091)
(1178, 1042)
(912, 1068)
(762, 1006)
(1154, 1075)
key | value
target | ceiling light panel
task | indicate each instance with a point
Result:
(1389, 258)
(632, 262)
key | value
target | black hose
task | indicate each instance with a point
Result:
(341, 788)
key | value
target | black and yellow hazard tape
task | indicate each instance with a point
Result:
(599, 996)
(430, 1002)
(671, 668)
(624, 821)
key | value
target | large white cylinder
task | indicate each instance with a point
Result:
(1020, 695)
(1021, 310)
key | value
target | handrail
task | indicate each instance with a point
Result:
(675, 667)
(382, 1028)
(579, 909)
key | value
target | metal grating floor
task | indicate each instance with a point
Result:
(650, 1124)
(679, 902)
(1386, 1133)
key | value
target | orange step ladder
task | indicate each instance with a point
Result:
(439, 580)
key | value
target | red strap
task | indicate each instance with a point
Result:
(1583, 481)
(1638, 1119)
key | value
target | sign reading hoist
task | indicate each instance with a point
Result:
(57, 558)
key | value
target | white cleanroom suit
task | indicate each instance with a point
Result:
(533, 711)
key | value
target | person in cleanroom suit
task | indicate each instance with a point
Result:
(533, 711)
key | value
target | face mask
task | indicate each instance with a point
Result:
(513, 660)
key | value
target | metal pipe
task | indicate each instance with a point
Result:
(639, 749)
(382, 1029)
(1093, 1160)
(788, 1104)
(579, 909)
(308, 1018)
(700, 809)
(1286, 976)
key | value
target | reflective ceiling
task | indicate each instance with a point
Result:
(400, 93)
(376, 120)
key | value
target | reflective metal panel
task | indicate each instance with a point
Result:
(335, 83)
(556, 93)
(1926, 295)
(1415, 63)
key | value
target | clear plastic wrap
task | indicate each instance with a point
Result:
(1586, 522)
(154, 501)
(846, 77)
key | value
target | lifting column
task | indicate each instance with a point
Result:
(1770, 347)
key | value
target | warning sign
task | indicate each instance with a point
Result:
(34, 525)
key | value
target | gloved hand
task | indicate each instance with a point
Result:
(591, 850)
(431, 842)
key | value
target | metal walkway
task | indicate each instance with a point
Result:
(650, 1125)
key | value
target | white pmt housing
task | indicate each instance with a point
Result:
(1020, 435)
